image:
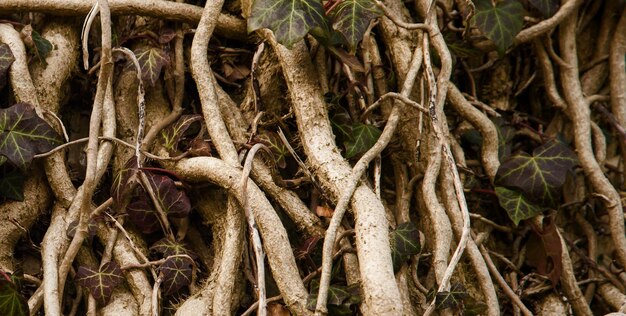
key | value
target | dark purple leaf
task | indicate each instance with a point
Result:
(166, 35)
(101, 282)
(121, 187)
(6, 60)
(23, 134)
(199, 147)
(92, 227)
(173, 201)
(176, 274)
(142, 213)
(151, 60)
(540, 176)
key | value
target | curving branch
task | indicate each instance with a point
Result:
(227, 25)
(578, 111)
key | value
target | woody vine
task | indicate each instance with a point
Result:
(312, 157)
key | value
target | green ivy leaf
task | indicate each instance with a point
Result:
(151, 61)
(100, 282)
(340, 298)
(12, 185)
(290, 20)
(541, 175)
(362, 138)
(41, 48)
(516, 205)
(6, 60)
(173, 133)
(546, 7)
(23, 134)
(352, 17)
(500, 23)
(12, 302)
(505, 136)
(279, 150)
(405, 242)
(451, 299)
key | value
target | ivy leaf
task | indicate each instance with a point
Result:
(151, 61)
(6, 60)
(173, 202)
(23, 134)
(290, 20)
(500, 23)
(405, 242)
(12, 185)
(541, 175)
(100, 282)
(142, 214)
(451, 299)
(176, 274)
(351, 19)
(339, 296)
(516, 205)
(172, 134)
(92, 227)
(37, 45)
(362, 138)
(505, 136)
(167, 248)
(12, 302)
(121, 187)
(42, 47)
(279, 150)
(199, 147)
(546, 7)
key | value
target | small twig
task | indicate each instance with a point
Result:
(155, 295)
(58, 120)
(409, 26)
(255, 305)
(392, 95)
(84, 35)
(499, 227)
(254, 232)
(303, 166)
(113, 139)
(505, 287)
(458, 186)
(161, 213)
